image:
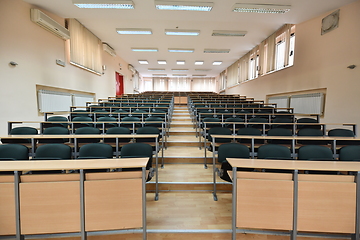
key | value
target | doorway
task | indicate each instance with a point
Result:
(119, 84)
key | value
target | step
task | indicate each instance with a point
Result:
(183, 140)
(174, 118)
(182, 131)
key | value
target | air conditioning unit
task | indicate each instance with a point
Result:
(107, 48)
(49, 24)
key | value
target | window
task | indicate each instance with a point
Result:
(280, 55)
(292, 49)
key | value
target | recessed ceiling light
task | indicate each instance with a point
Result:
(217, 63)
(228, 33)
(156, 69)
(180, 62)
(199, 62)
(261, 8)
(143, 62)
(187, 6)
(184, 50)
(178, 32)
(179, 75)
(117, 4)
(144, 49)
(199, 75)
(163, 62)
(216, 50)
(179, 70)
(133, 31)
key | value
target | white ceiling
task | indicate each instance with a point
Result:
(103, 22)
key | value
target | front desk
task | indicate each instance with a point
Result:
(296, 202)
(80, 202)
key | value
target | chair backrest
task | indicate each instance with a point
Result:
(82, 119)
(118, 130)
(232, 150)
(308, 120)
(310, 132)
(251, 132)
(21, 131)
(107, 119)
(274, 151)
(96, 150)
(213, 122)
(219, 131)
(56, 119)
(87, 131)
(134, 150)
(147, 130)
(350, 153)
(149, 120)
(339, 132)
(55, 131)
(13, 152)
(315, 152)
(279, 132)
(53, 151)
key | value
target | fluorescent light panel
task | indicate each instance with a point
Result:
(178, 32)
(156, 69)
(199, 62)
(133, 31)
(162, 62)
(228, 33)
(199, 75)
(179, 70)
(216, 50)
(184, 50)
(202, 70)
(261, 8)
(179, 75)
(159, 75)
(143, 62)
(217, 63)
(180, 62)
(144, 49)
(186, 6)
(117, 4)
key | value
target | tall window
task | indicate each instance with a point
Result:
(292, 49)
(85, 48)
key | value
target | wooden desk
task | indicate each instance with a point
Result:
(296, 202)
(101, 136)
(293, 139)
(76, 202)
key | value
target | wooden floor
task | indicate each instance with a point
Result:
(185, 209)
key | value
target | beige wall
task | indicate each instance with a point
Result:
(320, 62)
(36, 50)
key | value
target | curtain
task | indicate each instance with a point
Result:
(85, 48)
(233, 74)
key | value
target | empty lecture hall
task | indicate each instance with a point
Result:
(179, 119)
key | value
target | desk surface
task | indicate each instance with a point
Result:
(42, 136)
(286, 137)
(294, 164)
(72, 164)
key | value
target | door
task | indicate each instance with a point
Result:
(119, 84)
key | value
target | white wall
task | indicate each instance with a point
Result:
(320, 62)
(36, 50)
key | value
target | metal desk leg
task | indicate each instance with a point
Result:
(214, 170)
(357, 216)
(234, 202)
(17, 205)
(295, 204)
(82, 205)
(144, 202)
(157, 171)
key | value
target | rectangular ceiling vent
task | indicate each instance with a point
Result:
(107, 48)
(49, 24)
